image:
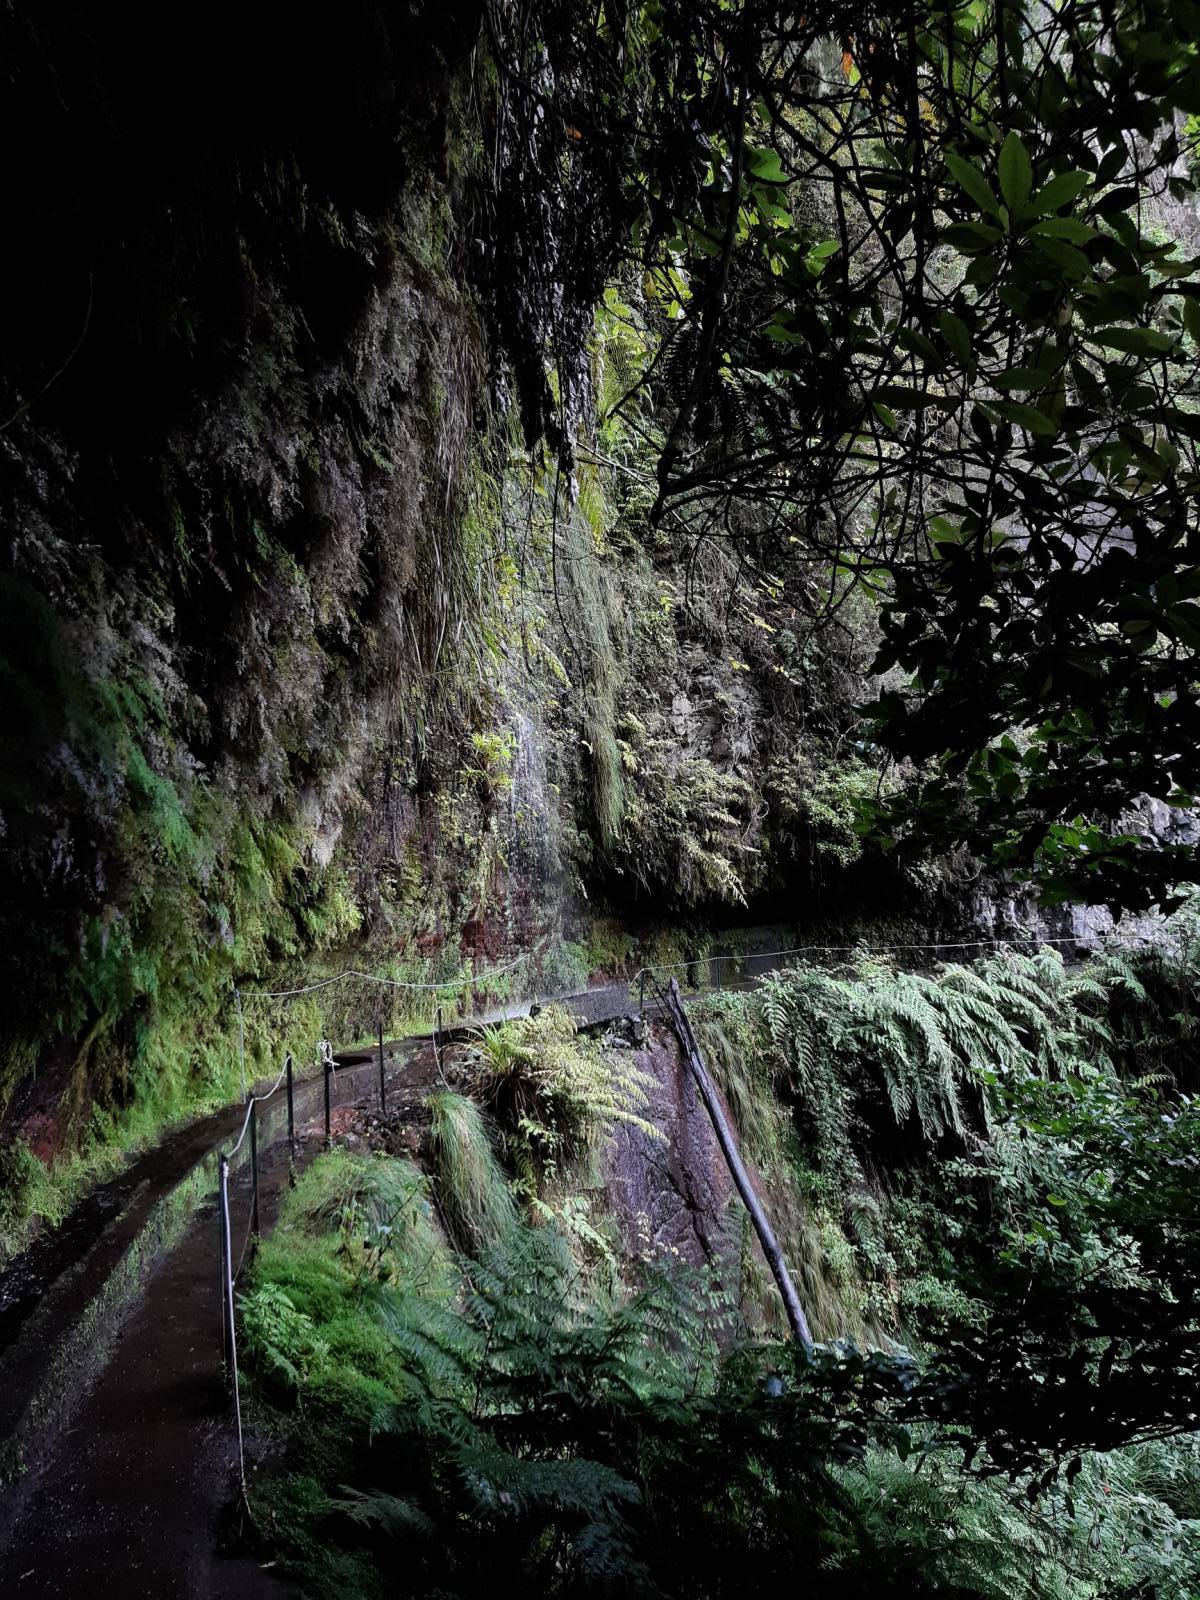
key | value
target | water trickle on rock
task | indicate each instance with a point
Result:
(531, 851)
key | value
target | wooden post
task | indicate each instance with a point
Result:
(725, 1137)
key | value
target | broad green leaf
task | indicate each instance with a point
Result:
(1126, 198)
(1015, 170)
(913, 339)
(972, 182)
(1058, 192)
(971, 236)
(1031, 378)
(1134, 341)
(943, 531)
(767, 208)
(1065, 256)
(954, 330)
(764, 166)
(1068, 228)
(781, 333)
(1027, 417)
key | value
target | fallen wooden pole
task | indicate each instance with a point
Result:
(737, 1167)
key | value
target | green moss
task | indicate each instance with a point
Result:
(564, 968)
(821, 795)
(609, 947)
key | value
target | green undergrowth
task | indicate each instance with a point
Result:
(414, 1369)
(860, 1092)
(467, 1376)
(474, 1193)
(182, 1061)
(557, 1095)
(442, 1417)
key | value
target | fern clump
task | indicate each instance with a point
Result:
(878, 1086)
(557, 1095)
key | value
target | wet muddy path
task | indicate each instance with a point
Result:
(115, 1400)
(134, 1495)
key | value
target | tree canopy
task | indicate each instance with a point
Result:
(921, 285)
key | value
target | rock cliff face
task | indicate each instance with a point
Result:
(307, 661)
(671, 1194)
(240, 410)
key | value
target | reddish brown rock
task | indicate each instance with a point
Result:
(670, 1194)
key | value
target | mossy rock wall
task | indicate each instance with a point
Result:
(309, 662)
(232, 638)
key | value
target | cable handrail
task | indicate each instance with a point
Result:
(866, 949)
(1088, 942)
(467, 980)
(258, 1100)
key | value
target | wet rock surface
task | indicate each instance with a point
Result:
(670, 1194)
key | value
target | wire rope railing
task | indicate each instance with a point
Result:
(716, 963)
(326, 1063)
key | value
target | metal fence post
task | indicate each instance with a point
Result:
(642, 993)
(382, 1083)
(224, 1259)
(226, 1273)
(254, 1167)
(328, 1069)
(291, 1112)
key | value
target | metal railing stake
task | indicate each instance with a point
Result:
(221, 1236)
(254, 1226)
(227, 1345)
(382, 1082)
(291, 1111)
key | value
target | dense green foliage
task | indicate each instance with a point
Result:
(994, 1163)
(924, 314)
(1011, 1151)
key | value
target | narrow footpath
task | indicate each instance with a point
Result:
(101, 1515)
(118, 1407)
(136, 1498)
